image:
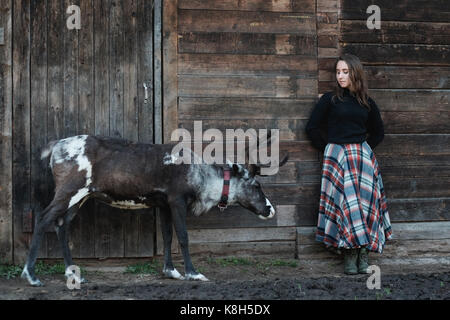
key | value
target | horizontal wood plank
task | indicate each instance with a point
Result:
(250, 5)
(248, 248)
(248, 64)
(242, 234)
(400, 54)
(247, 43)
(242, 108)
(290, 129)
(245, 22)
(401, 10)
(393, 77)
(246, 86)
(395, 32)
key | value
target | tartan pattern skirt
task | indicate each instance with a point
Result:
(353, 211)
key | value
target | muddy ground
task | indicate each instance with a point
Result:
(235, 279)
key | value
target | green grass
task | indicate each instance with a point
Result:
(239, 261)
(144, 268)
(41, 268)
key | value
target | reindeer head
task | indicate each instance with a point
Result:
(248, 191)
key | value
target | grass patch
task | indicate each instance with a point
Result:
(144, 268)
(41, 268)
(239, 261)
(9, 271)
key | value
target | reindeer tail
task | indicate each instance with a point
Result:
(48, 149)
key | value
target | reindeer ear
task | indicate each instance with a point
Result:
(254, 170)
(235, 169)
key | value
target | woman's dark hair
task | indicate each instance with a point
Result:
(358, 82)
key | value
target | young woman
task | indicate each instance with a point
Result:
(353, 213)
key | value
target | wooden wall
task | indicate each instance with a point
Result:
(250, 64)
(58, 83)
(232, 64)
(407, 63)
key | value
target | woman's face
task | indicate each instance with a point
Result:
(343, 74)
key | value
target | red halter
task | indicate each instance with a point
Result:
(226, 189)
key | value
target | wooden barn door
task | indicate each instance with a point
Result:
(98, 79)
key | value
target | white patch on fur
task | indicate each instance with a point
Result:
(128, 204)
(78, 196)
(174, 274)
(272, 211)
(73, 149)
(197, 277)
(169, 159)
(26, 275)
(211, 185)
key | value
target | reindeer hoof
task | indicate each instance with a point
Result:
(196, 277)
(173, 274)
(35, 282)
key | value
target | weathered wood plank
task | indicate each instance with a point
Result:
(170, 31)
(131, 111)
(412, 100)
(21, 105)
(145, 71)
(250, 5)
(101, 64)
(402, 10)
(395, 32)
(402, 232)
(247, 86)
(400, 54)
(6, 205)
(40, 182)
(242, 234)
(70, 74)
(416, 122)
(116, 69)
(230, 64)
(238, 217)
(86, 120)
(248, 248)
(242, 108)
(245, 22)
(130, 70)
(145, 122)
(247, 43)
(290, 129)
(426, 144)
(393, 77)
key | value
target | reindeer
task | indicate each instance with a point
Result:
(131, 175)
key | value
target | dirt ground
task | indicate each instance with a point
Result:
(255, 278)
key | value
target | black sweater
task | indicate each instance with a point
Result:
(345, 122)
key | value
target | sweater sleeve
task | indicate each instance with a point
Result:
(318, 117)
(375, 127)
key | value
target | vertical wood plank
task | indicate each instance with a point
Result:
(21, 124)
(157, 58)
(101, 66)
(145, 230)
(6, 206)
(56, 13)
(130, 80)
(116, 67)
(102, 111)
(40, 174)
(145, 71)
(86, 214)
(170, 67)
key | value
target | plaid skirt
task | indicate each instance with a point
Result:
(353, 211)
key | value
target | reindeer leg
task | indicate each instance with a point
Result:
(62, 228)
(166, 228)
(178, 209)
(55, 209)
